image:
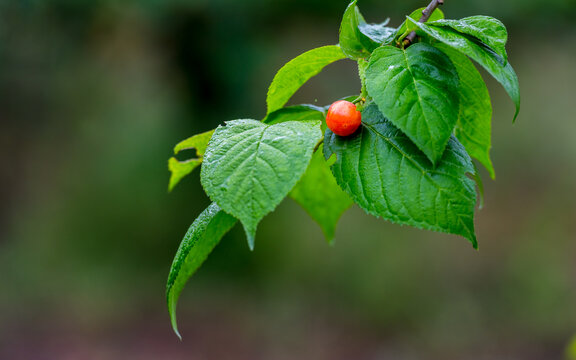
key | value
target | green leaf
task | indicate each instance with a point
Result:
(474, 120)
(487, 29)
(198, 142)
(387, 176)
(180, 169)
(295, 113)
(319, 194)
(352, 41)
(296, 72)
(200, 239)
(249, 167)
(357, 38)
(417, 89)
(500, 69)
(417, 15)
(378, 33)
(479, 185)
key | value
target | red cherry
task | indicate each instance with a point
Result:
(343, 118)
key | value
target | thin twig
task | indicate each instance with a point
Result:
(426, 13)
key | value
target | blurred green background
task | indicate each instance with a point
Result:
(93, 96)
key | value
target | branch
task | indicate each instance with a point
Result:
(426, 13)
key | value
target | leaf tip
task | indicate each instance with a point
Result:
(329, 235)
(489, 166)
(172, 311)
(174, 180)
(516, 114)
(175, 328)
(330, 241)
(172, 183)
(250, 235)
(474, 242)
(492, 174)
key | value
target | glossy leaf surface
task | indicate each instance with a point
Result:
(378, 33)
(473, 129)
(417, 90)
(387, 176)
(487, 29)
(500, 69)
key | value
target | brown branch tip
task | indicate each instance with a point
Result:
(426, 13)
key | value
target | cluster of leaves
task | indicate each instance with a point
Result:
(426, 112)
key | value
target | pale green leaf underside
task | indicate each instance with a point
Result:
(297, 72)
(487, 29)
(387, 176)
(250, 167)
(200, 239)
(179, 169)
(319, 194)
(417, 89)
(473, 129)
(500, 69)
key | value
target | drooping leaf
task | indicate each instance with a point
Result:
(319, 194)
(473, 128)
(500, 69)
(417, 89)
(249, 167)
(387, 176)
(200, 239)
(295, 113)
(357, 38)
(179, 169)
(487, 29)
(296, 72)
(416, 15)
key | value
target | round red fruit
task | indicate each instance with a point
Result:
(343, 118)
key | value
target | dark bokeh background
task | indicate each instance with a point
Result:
(93, 96)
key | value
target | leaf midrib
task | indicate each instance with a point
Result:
(420, 99)
(252, 177)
